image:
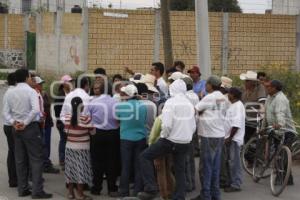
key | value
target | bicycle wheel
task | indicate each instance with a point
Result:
(281, 170)
(261, 168)
(248, 155)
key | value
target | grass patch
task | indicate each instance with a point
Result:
(3, 75)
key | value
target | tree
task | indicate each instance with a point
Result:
(224, 6)
(213, 5)
(182, 5)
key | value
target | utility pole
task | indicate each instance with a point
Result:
(166, 30)
(48, 5)
(203, 40)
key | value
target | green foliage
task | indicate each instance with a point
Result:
(224, 6)
(213, 5)
(181, 5)
(3, 75)
(290, 80)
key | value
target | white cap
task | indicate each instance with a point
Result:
(177, 75)
(38, 80)
(129, 90)
(250, 76)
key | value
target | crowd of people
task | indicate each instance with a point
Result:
(141, 135)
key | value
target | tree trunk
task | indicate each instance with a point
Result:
(166, 30)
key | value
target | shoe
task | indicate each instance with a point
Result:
(51, 170)
(25, 193)
(147, 195)
(114, 194)
(199, 197)
(42, 195)
(95, 192)
(291, 181)
(13, 185)
(232, 189)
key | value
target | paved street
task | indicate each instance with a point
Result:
(55, 183)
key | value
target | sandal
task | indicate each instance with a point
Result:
(85, 197)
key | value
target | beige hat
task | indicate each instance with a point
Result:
(149, 80)
(226, 82)
(249, 76)
(130, 90)
(177, 75)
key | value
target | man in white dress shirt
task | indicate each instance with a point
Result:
(22, 113)
(158, 71)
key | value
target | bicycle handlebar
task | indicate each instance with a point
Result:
(270, 128)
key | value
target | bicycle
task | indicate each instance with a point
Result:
(248, 152)
(277, 157)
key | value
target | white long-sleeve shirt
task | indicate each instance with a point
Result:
(163, 86)
(22, 104)
(211, 120)
(67, 108)
(178, 117)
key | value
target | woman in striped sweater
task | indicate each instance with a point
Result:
(77, 157)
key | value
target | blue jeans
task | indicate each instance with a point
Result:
(159, 149)
(130, 152)
(190, 169)
(210, 158)
(234, 164)
(47, 141)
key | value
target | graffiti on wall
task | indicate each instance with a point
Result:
(183, 49)
(69, 57)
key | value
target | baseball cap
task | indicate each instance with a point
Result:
(66, 78)
(130, 90)
(214, 80)
(38, 80)
(194, 69)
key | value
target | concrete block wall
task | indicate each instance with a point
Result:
(118, 42)
(2, 31)
(259, 40)
(72, 24)
(15, 31)
(254, 40)
(184, 38)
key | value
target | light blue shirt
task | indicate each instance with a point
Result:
(200, 87)
(132, 115)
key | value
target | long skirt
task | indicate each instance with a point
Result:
(78, 166)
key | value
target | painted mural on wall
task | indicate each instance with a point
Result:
(12, 58)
